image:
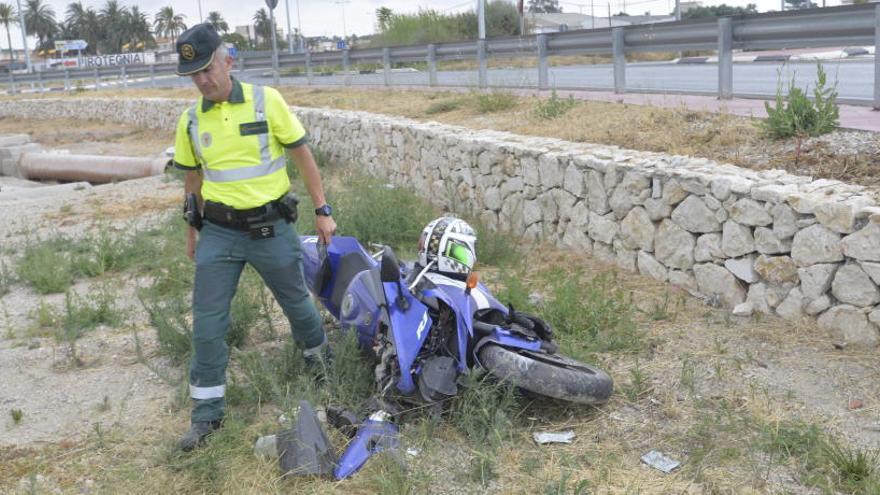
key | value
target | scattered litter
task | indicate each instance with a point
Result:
(616, 417)
(839, 345)
(856, 404)
(561, 437)
(654, 401)
(283, 419)
(660, 462)
(413, 452)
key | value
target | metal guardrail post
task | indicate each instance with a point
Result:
(124, 75)
(725, 58)
(484, 66)
(12, 81)
(40, 80)
(66, 79)
(346, 68)
(432, 65)
(152, 76)
(543, 63)
(386, 65)
(241, 63)
(309, 73)
(619, 52)
(97, 79)
(877, 58)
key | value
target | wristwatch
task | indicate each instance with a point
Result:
(324, 211)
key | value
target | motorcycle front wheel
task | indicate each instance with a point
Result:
(551, 375)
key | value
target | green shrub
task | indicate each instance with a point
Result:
(373, 211)
(554, 106)
(855, 468)
(107, 252)
(443, 106)
(173, 330)
(592, 314)
(46, 268)
(5, 279)
(796, 115)
(495, 101)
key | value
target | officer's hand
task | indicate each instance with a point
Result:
(326, 227)
(191, 237)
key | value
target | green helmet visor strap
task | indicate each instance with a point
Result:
(460, 253)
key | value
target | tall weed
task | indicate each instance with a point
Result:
(795, 115)
(554, 106)
(593, 315)
(46, 268)
(494, 101)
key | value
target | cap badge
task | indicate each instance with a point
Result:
(187, 51)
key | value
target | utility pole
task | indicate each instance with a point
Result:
(289, 32)
(481, 19)
(272, 4)
(609, 14)
(344, 31)
(299, 22)
(677, 10)
(201, 19)
(27, 53)
(592, 14)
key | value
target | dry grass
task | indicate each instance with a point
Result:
(708, 418)
(722, 137)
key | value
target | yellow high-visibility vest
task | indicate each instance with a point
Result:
(239, 145)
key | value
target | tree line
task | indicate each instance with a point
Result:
(115, 28)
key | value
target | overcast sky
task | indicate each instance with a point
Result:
(325, 17)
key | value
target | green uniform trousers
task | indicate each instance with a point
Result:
(221, 254)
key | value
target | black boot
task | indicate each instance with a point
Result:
(319, 360)
(198, 431)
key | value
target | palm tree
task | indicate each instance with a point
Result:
(39, 19)
(383, 18)
(113, 19)
(168, 23)
(263, 26)
(216, 20)
(83, 23)
(7, 15)
(138, 29)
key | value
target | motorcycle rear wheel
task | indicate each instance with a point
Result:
(551, 375)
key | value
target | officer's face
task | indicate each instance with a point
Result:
(213, 82)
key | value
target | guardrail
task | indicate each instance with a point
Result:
(833, 26)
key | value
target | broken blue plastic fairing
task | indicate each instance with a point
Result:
(376, 434)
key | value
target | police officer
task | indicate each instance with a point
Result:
(233, 145)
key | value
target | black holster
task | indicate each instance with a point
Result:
(288, 207)
(191, 212)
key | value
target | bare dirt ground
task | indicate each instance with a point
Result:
(699, 392)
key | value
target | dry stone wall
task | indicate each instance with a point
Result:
(754, 241)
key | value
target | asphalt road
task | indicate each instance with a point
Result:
(854, 78)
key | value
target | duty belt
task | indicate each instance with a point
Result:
(227, 216)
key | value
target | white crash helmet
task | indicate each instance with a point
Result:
(451, 244)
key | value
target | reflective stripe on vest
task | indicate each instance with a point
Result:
(194, 134)
(267, 165)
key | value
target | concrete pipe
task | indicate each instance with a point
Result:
(91, 168)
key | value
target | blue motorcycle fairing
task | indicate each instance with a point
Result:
(408, 330)
(361, 307)
(372, 437)
(464, 331)
(339, 247)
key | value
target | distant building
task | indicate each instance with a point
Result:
(685, 6)
(555, 23)
(852, 2)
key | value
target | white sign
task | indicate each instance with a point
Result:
(139, 58)
(70, 45)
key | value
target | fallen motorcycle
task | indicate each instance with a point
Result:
(426, 329)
